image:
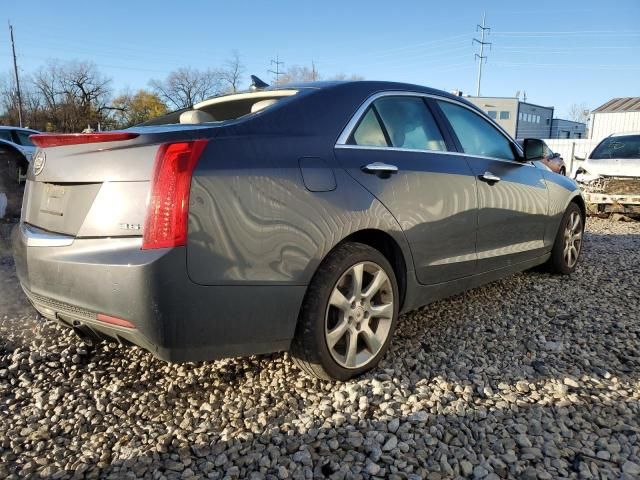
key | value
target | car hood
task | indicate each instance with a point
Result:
(613, 167)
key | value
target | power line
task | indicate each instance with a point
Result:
(568, 32)
(277, 71)
(568, 65)
(481, 57)
(15, 70)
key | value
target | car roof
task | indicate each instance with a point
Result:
(8, 127)
(373, 86)
(364, 86)
(624, 134)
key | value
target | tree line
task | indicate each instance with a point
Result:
(74, 95)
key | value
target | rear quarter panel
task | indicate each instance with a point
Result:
(253, 221)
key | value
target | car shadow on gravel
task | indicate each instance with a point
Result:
(531, 375)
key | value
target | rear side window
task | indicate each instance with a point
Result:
(624, 146)
(476, 135)
(410, 124)
(369, 131)
(6, 135)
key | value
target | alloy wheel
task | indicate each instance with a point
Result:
(359, 315)
(572, 239)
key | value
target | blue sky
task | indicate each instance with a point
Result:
(559, 55)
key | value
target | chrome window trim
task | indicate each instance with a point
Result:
(34, 237)
(436, 152)
(353, 122)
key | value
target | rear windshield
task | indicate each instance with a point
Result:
(228, 107)
(626, 146)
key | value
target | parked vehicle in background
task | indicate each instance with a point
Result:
(610, 176)
(17, 149)
(552, 160)
(300, 217)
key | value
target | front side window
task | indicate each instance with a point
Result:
(410, 124)
(624, 146)
(369, 131)
(476, 135)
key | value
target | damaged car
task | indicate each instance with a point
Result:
(610, 177)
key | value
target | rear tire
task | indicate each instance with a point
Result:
(348, 315)
(568, 244)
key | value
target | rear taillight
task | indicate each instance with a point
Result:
(59, 139)
(166, 223)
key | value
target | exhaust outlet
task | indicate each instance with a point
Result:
(87, 335)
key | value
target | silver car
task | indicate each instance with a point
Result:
(299, 217)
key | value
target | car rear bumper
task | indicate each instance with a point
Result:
(74, 280)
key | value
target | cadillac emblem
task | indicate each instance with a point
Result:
(39, 160)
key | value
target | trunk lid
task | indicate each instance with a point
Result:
(96, 189)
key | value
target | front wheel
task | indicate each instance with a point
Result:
(568, 243)
(348, 315)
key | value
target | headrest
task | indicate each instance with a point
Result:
(196, 116)
(262, 104)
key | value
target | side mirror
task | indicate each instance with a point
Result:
(533, 149)
(578, 158)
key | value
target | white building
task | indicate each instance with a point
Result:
(618, 115)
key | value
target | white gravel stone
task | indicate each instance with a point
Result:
(533, 377)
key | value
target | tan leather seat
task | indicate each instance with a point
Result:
(196, 116)
(262, 104)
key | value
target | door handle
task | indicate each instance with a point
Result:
(489, 177)
(383, 170)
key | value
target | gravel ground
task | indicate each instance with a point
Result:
(534, 376)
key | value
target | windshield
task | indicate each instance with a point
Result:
(627, 146)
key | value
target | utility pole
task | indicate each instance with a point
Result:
(277, 71)
(314, 72)
(482, 57)
(15, 69)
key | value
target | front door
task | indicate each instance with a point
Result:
(398, 153)
(512, 194)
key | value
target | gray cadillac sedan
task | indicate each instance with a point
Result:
(301, 217)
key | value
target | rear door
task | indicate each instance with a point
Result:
(512, 194)
(396, 150)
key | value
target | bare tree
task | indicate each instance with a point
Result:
(73, 94)
(232, 72)
(578, 112)
(187, 86)
(297, 73)
(344, 76)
